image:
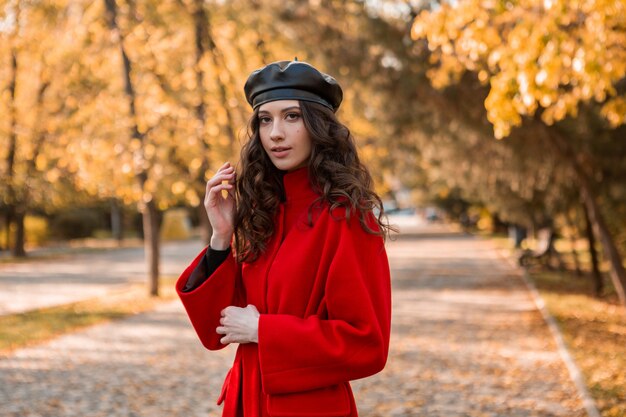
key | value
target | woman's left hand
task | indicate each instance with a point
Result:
(239, 325)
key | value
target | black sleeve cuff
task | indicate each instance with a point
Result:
(211, 261)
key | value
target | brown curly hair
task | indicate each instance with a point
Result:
(335, 172)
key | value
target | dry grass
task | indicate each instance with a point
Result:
(594, 329)
(19, 330)
(595, 332)
(69, 248)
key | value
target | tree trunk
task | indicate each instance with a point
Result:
(595, 269)
(559, 259)
(117, 228)
(10, 160)
(572, 239)
(151, 244)
(201, 27)
(205, 225)
(18, 248)
(617, 272)
(8, 220)
(552, 252)
(21, 198)
(219, 66)
(147, 204)
(261, 46)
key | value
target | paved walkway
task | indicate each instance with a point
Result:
(467, 342)
(46, 283)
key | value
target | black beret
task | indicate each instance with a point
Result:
(292, 80)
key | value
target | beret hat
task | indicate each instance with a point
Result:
(292, 80)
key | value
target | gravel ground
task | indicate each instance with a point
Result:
(467, 342)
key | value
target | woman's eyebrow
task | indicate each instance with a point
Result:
(286, 109)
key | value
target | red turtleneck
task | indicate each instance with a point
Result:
(323, 292)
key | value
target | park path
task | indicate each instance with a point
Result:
(45, 283)
(467, 341)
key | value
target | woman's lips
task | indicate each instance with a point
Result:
(280, 152)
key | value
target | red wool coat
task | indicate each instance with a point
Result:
(324, 295)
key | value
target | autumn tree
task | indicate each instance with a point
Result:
(36, 103)
(542, 60)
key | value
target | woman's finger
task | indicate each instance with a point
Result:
(225, 168)
(219, 187)
(226, 165)
(228, 170)
(218, 178)
(214, 192)
(217, 181)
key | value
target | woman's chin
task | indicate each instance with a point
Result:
(287, 165)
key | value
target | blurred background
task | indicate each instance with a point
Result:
(505, 118)
(114, 114)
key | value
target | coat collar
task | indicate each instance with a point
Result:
(297, 185)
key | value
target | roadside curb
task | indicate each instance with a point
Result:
(574, 372)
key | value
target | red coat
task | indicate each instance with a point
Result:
(324, 295)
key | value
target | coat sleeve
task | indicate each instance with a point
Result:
(204, 304)
(300, 354)
(210, 262)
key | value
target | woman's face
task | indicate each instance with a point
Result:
(283, 135)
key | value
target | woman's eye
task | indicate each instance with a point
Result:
(293, 116)
(264, 119)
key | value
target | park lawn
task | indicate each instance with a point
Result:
(25, 329)
(594, 331)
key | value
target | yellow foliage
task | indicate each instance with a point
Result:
(175, 225)
(35, 229)
(615, 111)
(548, 53)
(179, 187)
(192, 198)
(185, 114)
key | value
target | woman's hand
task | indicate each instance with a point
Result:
(220, 209)
(239, 325)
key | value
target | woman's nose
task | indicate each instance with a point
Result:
(277, 134)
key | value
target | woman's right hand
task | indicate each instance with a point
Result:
(220, 209)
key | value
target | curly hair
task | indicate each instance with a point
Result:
(335, 171)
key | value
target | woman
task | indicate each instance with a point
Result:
(296, 271)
